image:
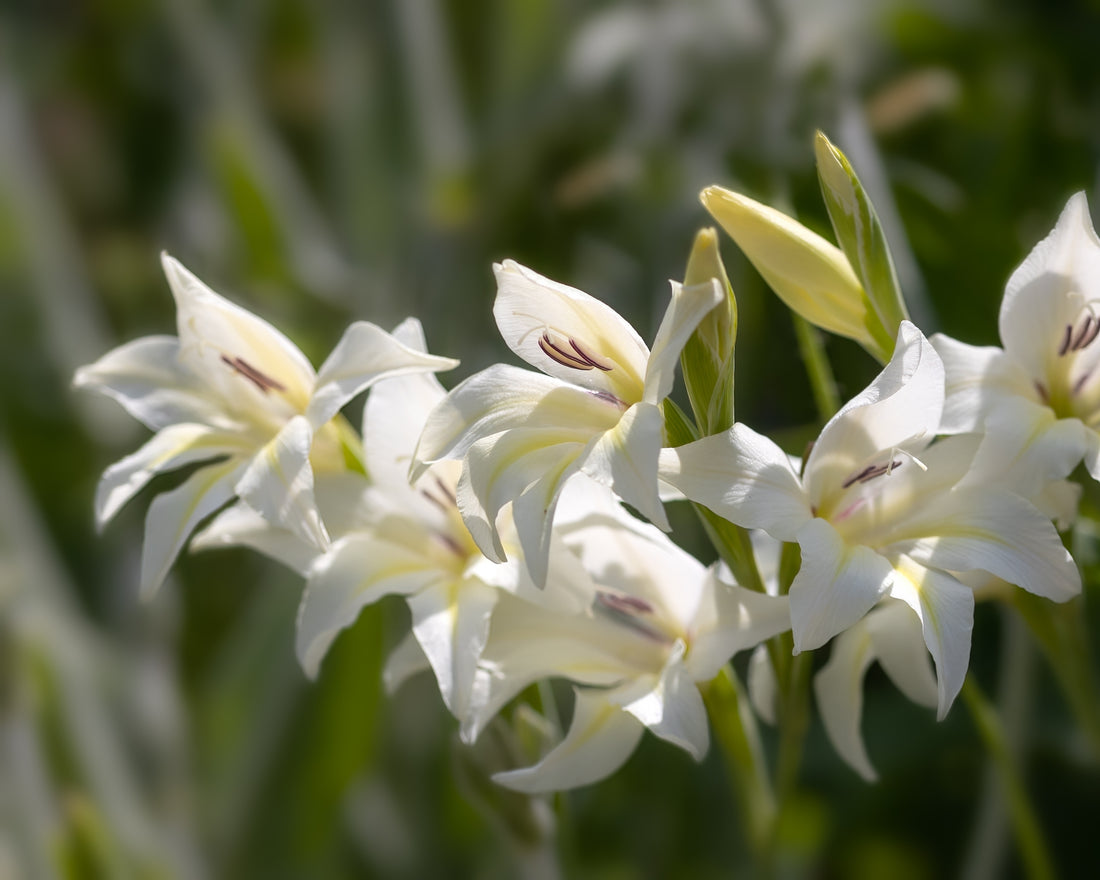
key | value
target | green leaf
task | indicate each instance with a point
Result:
(861, 238)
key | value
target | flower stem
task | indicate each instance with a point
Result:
(736, 732)
(1028, 833)
(822, 382)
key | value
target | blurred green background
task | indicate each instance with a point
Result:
(321, 162)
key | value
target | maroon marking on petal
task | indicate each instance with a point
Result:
(261, 380)
(1087, 338)
(624, 604)
(1041, 390)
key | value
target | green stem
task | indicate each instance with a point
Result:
(822, 382)
(1029, 835)
(736, 733)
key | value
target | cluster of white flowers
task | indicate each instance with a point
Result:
(497, 509)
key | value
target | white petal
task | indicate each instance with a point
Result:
(977, 380)
(836, 585)
(172, 447)
(279, 483)
(900, 650)
(213, 332)
(673, 709)
(145, 377)
(405, 661)
(357, 571)
(1049, 290)
(528, 306)
(838, 688)
(501, 398)
(625, 460)
(688, 306)
(946, 611)
(730, 619)
(173, 516)
(900, 409)
(451, 623)
(742, 476)
(240, 526)
(364, 355)
(995, 531)
(600, 739)
(763, 685)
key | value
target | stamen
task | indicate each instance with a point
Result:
(608, 397)
(582, 360)
(448, 503)
(1082, 379)
(451, 544)
(560, 355)
(1064, 347)
(626, 610)
(1041, 390)
(261, 380)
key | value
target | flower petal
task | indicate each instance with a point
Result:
(279, 483)
(501, 398)
(900, 409)
(673, 709)
(146, 379)
(271, 375)
(172, 447)
(625, 460)
(358, 570)
(978, 379)
(836, 585)
(742, 476)
(405, 661)
(946, 611)
(240, 526)
(1048, 291)
(994, 531)
(451, 623)
(688, 306)
(601, 737)
(365, 354)
(530, 309)
(173, 516)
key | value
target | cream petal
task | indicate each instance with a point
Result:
(625, 460)
(763, 685)
(365, 354)
(173, 516)
(214, 334)
(601, 737)
(731, 619)
(278, 483)
(240, 526)
(405, 661)
(1049, 290)
(688, 306)
(977, 381)
(145, 377)
(501, 398)
(451, 622)
(172, 447)
(357, 571)
(899, 647)
(900, 409)
(530, 308)
(946, 611)
(742, 476)
(838, 689)
(996, 531)
(837, 584)
(673, 709)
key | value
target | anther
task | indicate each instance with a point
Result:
(581, 360)
(871, 472)
(1086, 333)
(261, 380)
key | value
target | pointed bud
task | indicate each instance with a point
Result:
(707, 359)
(810, 275)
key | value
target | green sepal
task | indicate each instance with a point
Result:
(860, 236)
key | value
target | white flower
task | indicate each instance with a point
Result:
(597, 410)
(656, 623)
(880, 512)
(1038, 398)
(232, 389)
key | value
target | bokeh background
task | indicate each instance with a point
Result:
(321, 162)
